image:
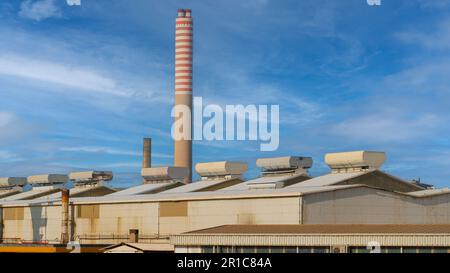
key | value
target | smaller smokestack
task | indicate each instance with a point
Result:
(181, 13)
(147, 153)
(188, 13)
(65, 193)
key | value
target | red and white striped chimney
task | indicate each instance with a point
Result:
(183, 83)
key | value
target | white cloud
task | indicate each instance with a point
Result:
(5, 119)
(73, 2)
(61, 74)
(12, 128)
(382, 128)
(39, 10)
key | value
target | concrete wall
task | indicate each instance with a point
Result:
(372, 206)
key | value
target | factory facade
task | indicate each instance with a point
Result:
(283, 210)
(347, 208)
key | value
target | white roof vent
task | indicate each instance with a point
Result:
(283, 165)
(90, 177)
(222, 169)
(47, 179)
(10, 182)
(164, 174)
(356, 161)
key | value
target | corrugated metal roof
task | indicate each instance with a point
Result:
(138, 246)
(5, 193)
(32, 194)
(145, 188)
(196, 186)
(74, 191)
(325, 229)
(265, 180)
(327, 180)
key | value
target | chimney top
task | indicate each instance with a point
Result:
(181, 12)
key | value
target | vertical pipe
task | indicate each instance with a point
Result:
(1, 225)
(147, 153)
(183, 84)
(65, 216)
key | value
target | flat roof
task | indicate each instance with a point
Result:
(323, 229)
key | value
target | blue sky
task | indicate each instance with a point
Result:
(81, 85)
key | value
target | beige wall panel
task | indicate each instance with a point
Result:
(203, 214)
(371, 206)
(118, 219)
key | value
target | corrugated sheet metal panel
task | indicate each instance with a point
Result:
(327, 180)
(195, 186)
(141, 189)
(325, 229)
(412, 240)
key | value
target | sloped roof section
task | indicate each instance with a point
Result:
(147, 189)
(273, 182)
(374, 178)
(205, 185)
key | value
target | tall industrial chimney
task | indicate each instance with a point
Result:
(147, 153)
(183, 84)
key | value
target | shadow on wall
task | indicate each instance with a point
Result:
(39, 223)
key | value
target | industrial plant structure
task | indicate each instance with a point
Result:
(283, 210)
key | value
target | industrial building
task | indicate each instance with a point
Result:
(284, 209)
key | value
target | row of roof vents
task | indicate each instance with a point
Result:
(338, 162)
(78, 178)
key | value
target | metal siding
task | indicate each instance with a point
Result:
(415, 240)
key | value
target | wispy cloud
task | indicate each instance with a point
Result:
(13, 129)
(39, 10)
(382, 128)
(439, 38)
(108, 150)
(58, 73)
(6, 156)
(98, 149)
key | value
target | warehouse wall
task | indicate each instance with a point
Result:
(182, 216)
(372, 206)
(210, 213)
(100, 223)
(34, 224)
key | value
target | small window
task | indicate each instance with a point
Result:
(409, 250)
(208, 249)
(248, 250)
(290, 249)
(277, 249)
(304, 250)
(440, 250)
(262, 250)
